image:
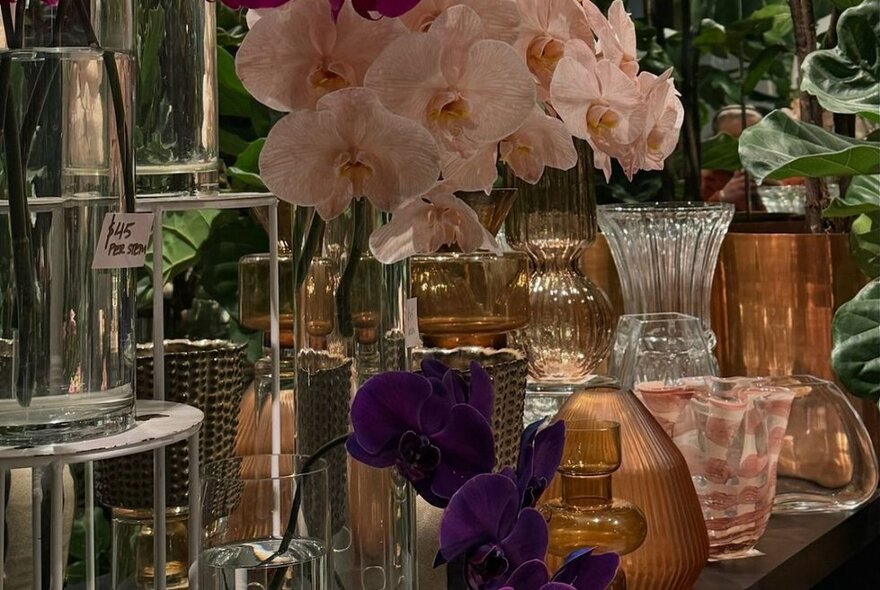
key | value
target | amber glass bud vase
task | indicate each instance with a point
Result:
(653, 475)
(587, 515)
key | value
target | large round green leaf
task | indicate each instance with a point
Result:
(862, 196)
(856, 354)
(845, 79)
(781, 147)
(864, 238)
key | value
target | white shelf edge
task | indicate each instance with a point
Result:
(168, 423)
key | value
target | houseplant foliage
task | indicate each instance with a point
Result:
(844, 80)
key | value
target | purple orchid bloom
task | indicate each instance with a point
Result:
(236, 4)
(539, 456)
(367, 8)
(485, 527)
(581, 571)
(417, 425)
(480, 393)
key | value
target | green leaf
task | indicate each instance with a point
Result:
(232, 236)
(864, 243)
(760, 65)
(846, 78)
(233, 97)
(856, 333)
(719, 152)
(862, 196)
(231, 144)
(247, 166)
(781, 147)
(183, 233)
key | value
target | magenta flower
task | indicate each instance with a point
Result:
(419, 425)
(539, 456)
(370, 8)
(236, 4)
(485, 527)
(581, 571)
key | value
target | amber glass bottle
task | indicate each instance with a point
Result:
(587, 515)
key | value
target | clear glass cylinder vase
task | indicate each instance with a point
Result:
(665, 255)
(554, 221)
(176, 110)
(66, 329)
(350, 314)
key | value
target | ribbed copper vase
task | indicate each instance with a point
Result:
(654, 476)
(773, 299)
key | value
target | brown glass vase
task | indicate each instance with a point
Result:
(653, 475)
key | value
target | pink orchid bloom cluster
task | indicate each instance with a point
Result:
(406, 111)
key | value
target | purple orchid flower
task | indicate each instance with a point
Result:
(581, 571)
(539, 456)
(485, 527)
(418, 425)
(236, 4)
(480, 393)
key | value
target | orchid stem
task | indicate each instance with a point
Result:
(310, 247)
(125, 152)
(284, 545)
(343, 292)
(19, 222)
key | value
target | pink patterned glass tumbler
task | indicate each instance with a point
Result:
(730, 432)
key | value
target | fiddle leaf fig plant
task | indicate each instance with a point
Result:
(856, 332)
(844, 80)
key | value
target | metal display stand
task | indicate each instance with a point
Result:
(159, 423)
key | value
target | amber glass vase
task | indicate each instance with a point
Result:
(554, 221)
(587, 514)
(653, 475)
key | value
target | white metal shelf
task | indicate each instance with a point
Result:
(158, 424)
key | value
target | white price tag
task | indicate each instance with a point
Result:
(123, 240)
(411, 323)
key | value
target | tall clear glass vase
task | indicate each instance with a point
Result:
(66, 329)
(176, 109)
(554, 221)
(665, 255)
(351, 312)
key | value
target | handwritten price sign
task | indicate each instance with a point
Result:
(123, 241)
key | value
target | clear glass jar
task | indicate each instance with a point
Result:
(66, 329)
(176, 112)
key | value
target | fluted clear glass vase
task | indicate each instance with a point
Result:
(665, 254)
(66, 329)
(176, 109)
(554, 221)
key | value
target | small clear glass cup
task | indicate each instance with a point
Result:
(247, 505)
(659, 347)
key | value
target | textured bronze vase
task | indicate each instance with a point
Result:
(654, 476)
(773, 299)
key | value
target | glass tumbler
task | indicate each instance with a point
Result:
(266, 523)
(659, 347)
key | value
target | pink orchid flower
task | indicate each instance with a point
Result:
(294, 56)
(467, 90)
(425, 224)
(665, 115)
(547, 25)
(616, 36)
(500, 17)
(350, 147)
(542, 141)
(598, 102)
